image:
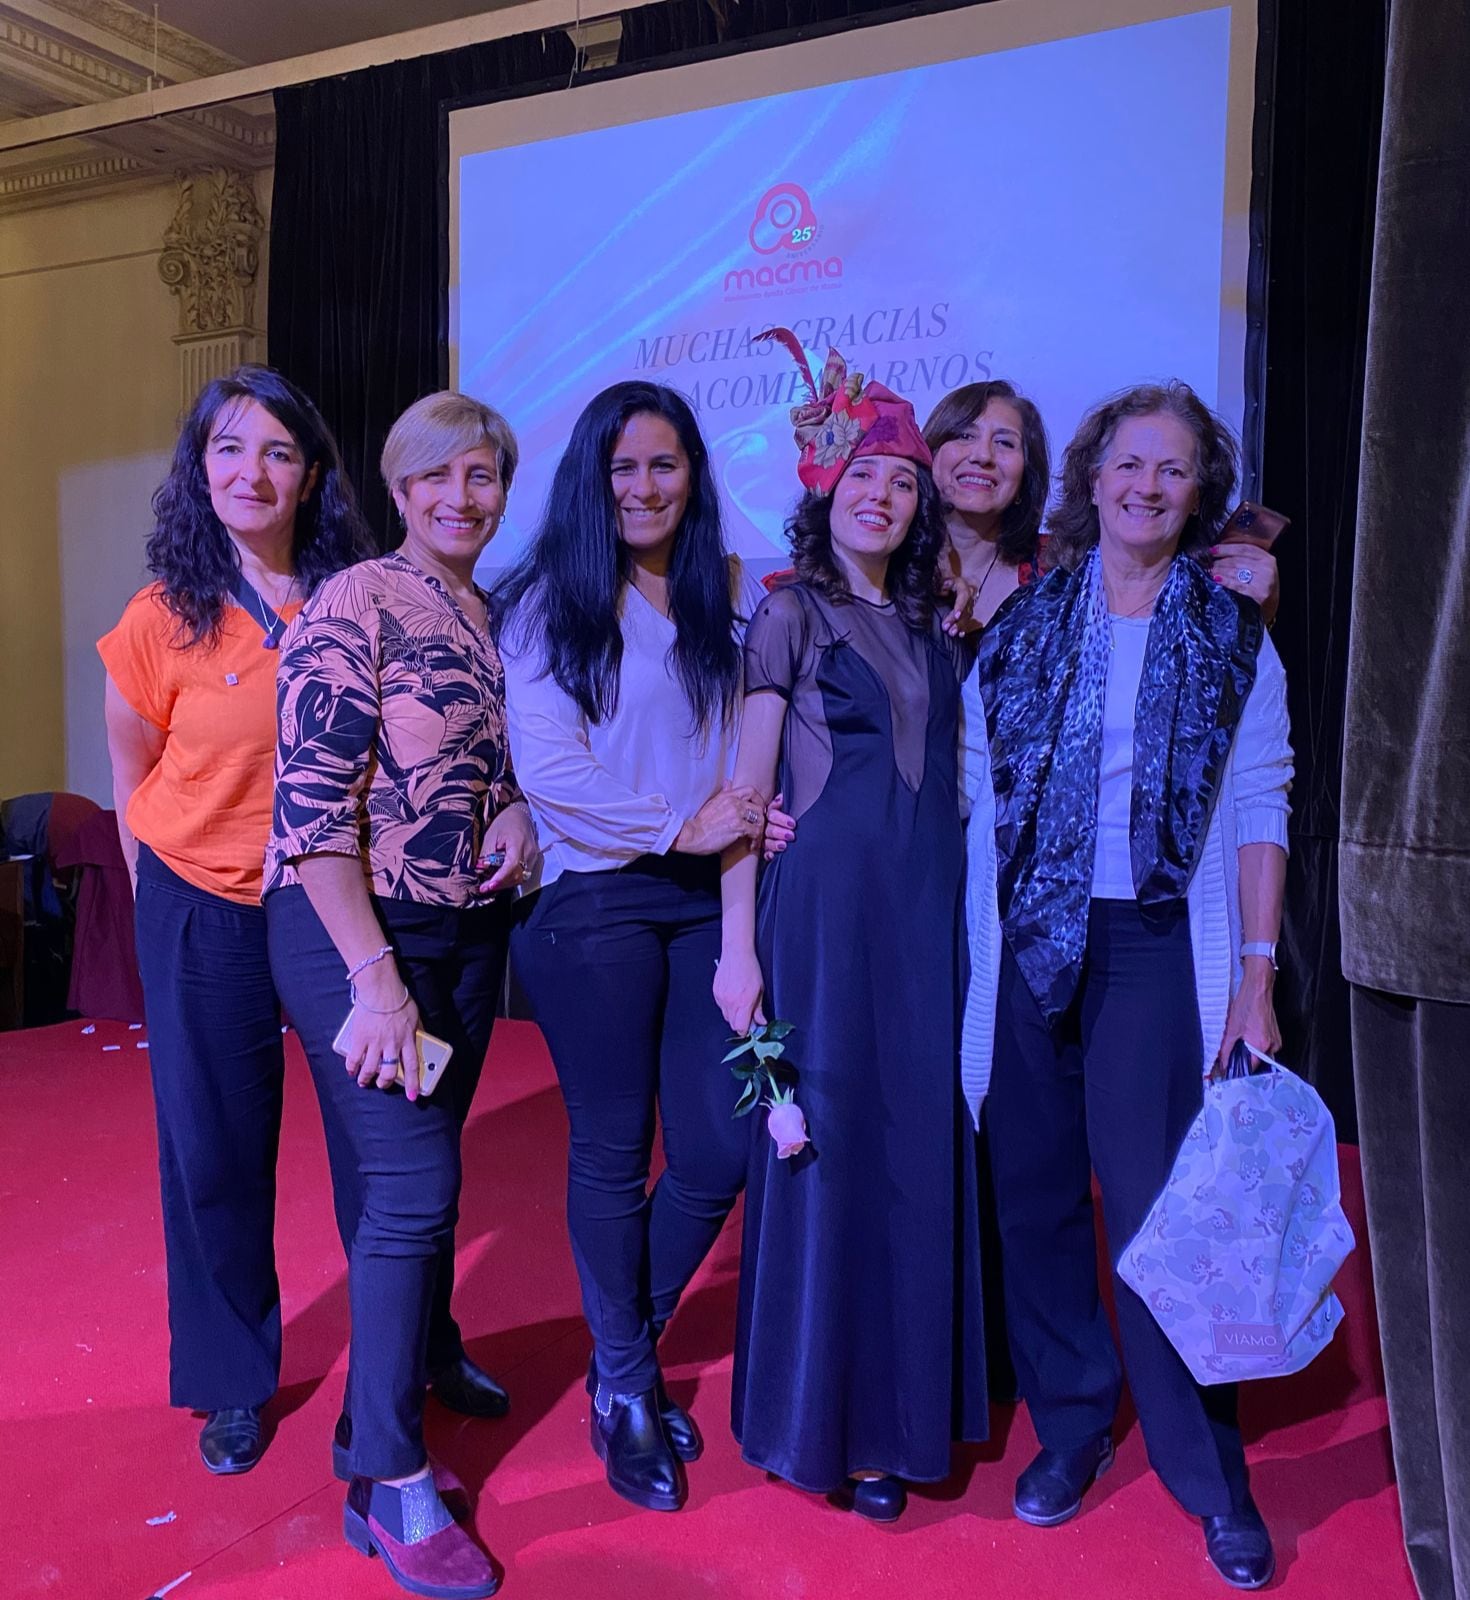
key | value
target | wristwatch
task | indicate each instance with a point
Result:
(1260, 947)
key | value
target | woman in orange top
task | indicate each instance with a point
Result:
(255, 512)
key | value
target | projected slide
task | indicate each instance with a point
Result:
(1054, 214)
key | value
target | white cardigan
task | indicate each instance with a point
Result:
(1250, 808)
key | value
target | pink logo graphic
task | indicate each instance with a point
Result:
(784, 220)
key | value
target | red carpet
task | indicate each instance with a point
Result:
(104, 1497)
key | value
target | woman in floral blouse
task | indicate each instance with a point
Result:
(396, 817)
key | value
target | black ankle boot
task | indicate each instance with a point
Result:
(628, 1435)
(683, 1433)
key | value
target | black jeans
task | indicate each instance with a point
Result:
(1114, 1090)
(214, 1037)
(620, 967)
(395, 1163)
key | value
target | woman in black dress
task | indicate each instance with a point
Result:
(858, 1351)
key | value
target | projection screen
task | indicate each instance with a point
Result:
(1056, 192)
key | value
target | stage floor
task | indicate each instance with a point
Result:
(105, 1498)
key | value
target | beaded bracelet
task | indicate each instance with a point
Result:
(368, 961)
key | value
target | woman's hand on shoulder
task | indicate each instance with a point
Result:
(732, 814)
(739, 990)
(961, 594)
(1250, 571)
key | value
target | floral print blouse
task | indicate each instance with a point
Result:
(391, 740)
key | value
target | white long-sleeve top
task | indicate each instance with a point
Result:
(604, 793)
(1250, 807)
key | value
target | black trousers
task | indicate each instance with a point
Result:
(1409, 1061)
(1114, 1090)
(619, 967)
(395, 1164)
(214, 1036)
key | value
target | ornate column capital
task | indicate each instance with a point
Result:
(211, 254)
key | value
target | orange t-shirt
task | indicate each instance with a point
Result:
(205, 809)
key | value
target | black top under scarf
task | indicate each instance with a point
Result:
(1042, 675)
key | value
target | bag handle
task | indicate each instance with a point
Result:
(1241, 1063)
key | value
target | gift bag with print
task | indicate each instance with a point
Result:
(1237, 1255)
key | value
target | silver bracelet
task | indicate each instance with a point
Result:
(377, 1011)
(369, 961)
(1260, 947)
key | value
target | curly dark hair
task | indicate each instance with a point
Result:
(1020, 522)
(1072, 526)
(566, 592)
(189, 551)
(910, 567)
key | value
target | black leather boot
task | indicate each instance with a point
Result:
(628, 1435)
(469, 1390)
(683, 1433)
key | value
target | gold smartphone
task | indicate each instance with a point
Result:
(434, 1055)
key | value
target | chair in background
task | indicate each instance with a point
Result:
(104, 968)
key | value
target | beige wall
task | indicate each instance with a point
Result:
(89, 405)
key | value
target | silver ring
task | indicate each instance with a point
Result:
(392, 1061)
(1244, 574)
(750, 816)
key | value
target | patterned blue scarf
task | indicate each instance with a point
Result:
(1043, 669)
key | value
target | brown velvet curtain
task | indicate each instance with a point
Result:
(1406, 782)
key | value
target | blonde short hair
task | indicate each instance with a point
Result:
(438, 428)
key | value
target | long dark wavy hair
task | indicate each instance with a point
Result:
(189, 551)
(1073, 526)
(564, 595)
(1020, 522)
(910, 567)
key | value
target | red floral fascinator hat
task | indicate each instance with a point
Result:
(846, 418)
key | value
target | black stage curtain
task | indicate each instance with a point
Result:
(355, 319)
(1323, 172)
(356, 222)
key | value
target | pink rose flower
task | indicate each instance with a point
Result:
(787, 1127)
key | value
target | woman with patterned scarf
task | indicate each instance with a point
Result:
(1136, 714)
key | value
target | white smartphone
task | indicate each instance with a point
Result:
(434, 1055)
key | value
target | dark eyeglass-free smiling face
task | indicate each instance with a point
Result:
(256, 472)
(650, 475)
(979, 472)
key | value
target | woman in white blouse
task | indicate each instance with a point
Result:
(621, 636)
(1140, 763)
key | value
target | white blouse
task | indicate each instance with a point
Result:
(604, 793)
(1112, 863)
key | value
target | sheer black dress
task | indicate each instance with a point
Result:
(859, 1345)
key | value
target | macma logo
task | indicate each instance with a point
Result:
(785, 225)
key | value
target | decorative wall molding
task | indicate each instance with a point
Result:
(63, 179)
(61, 54)
(134, 27)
